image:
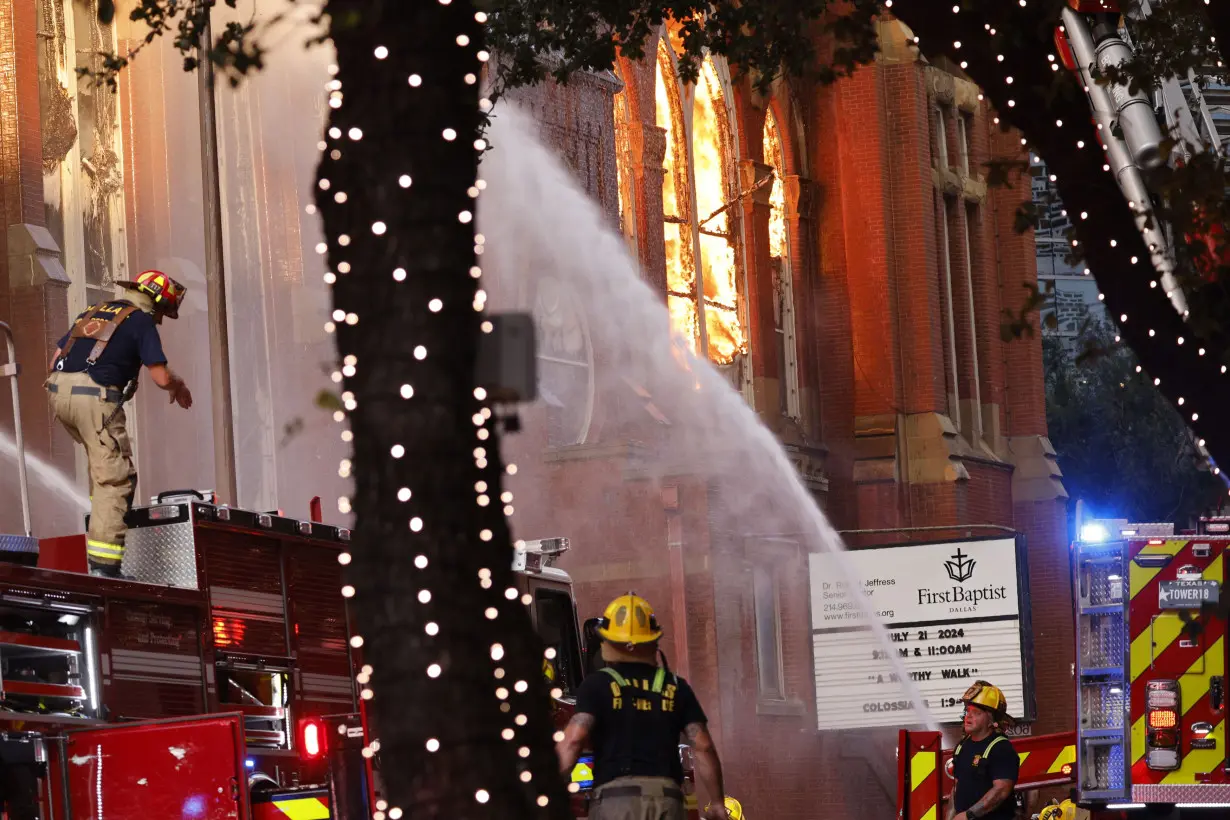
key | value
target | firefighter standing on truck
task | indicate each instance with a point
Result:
(94, 371)
(984, 764)
(633, 713)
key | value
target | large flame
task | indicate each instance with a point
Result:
(680, 273)
(777, 194)
(717, 253)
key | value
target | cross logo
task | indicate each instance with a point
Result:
(960, 568)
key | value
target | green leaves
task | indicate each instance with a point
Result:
(1121, 446)
(762, 41)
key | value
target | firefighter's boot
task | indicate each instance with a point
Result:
(109, 569)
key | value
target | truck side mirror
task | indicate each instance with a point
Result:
(593, 645)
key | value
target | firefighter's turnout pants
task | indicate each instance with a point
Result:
(89, 414)
(638, 798)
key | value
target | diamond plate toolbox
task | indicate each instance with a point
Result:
(161, 546)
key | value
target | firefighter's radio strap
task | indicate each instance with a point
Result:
(986, 753)
(99, 324)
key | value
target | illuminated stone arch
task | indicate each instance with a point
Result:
(777, 144)
(701, 224)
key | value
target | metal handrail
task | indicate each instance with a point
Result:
(12, 370)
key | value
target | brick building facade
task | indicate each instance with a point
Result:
(898, 400)
(852, 293)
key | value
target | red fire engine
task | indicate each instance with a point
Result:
(221, 683)
(1150, 676)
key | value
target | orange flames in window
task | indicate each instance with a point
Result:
(777, 194)
(717, 251)
(714, 239)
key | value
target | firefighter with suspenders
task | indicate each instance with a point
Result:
(984, 764)
(93, 372)
(633, 713)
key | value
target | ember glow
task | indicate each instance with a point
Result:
(713, 191)
(680, 271)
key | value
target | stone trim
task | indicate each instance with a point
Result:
(752, 172)
(34, 258)
(1037, 476)
(802, 196)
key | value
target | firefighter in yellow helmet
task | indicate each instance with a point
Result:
(94, 370)
(632, 714)
(984, 764)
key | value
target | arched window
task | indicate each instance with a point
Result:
(715, 196)
(699, 222)
(625, 181)
(783, 278)
(676, 199)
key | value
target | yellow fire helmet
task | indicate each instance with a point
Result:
(734, 809)
(988, 697)
(629, 620)
(1059, 811)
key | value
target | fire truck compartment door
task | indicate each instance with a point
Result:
(190, 768)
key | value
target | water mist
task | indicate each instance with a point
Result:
(540, 227)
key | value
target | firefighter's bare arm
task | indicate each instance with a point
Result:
(999, 792)
(951, 814)
(576, 733)
(173, 384)
(708, 769)
(52, 365)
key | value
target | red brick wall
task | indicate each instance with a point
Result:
(38, 315)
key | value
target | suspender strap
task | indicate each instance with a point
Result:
(92, 326)
(659, 679)
(618, 678)
(74, 334)
(104, 336)
(987, 751)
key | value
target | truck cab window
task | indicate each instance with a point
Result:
(554, 613)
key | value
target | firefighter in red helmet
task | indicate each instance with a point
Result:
(94, 370)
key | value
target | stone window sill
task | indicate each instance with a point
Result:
(781, 708)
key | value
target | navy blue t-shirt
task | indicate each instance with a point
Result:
(976, 772)
(134, 343)
(641, 738)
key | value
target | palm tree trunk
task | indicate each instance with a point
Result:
(427, 686)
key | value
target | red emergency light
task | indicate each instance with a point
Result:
(312, 741)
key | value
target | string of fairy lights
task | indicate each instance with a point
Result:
(1186, 409)
(337, 141)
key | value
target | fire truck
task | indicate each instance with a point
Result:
(221, 682)
(1150, 677)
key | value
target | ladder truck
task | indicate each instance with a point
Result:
(1094, 36)
(1149, 671)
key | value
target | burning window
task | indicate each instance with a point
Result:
(623, 165)
(714, 195)
(697, 209)
(783, 278)
(680, 271)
